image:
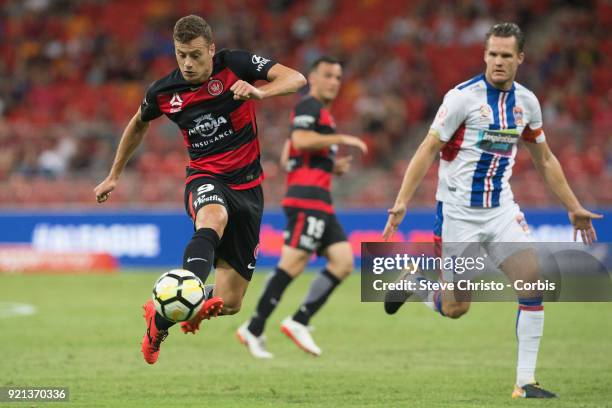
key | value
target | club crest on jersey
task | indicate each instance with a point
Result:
(486, 111)
(215, 87)
(518, 115)
(206, 125)
(176, 102)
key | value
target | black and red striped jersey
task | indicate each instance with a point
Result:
(310, 172)
(219, 132)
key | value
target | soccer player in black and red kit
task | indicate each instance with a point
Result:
(210, 97)
(311, 222)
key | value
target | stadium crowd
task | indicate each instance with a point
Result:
(72, 73)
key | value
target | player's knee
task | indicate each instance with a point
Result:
(455, 310)
(212, 216)
(341, 269)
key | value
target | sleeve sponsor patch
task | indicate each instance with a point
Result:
(303, 121)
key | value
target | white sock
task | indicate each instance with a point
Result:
(529, 330)
(430, 300)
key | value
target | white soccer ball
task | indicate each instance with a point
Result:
(178, 295)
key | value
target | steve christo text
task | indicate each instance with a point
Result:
(462, 284)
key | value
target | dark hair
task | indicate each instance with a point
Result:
(324, 58)
(507, 30)
(190, 27)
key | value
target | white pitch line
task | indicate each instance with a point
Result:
(9, 309)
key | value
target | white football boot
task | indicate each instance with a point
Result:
(300, 335)
(256, 345)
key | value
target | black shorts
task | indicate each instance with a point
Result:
(312, 230)
(239, 245)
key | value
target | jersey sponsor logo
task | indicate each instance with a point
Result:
(486, 111)
(517, 112)
(207, 125)
(205, 188)
(498, 142)
(201, 200)
(215, 87)
(176, 102)
(210, 141)
(259, 61)
(303, 121)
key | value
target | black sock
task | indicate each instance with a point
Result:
(272, 293)
(320, 289)
(208, 290)
(162, 323)
(200, 252)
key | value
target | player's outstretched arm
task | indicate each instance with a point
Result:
(342, 165)
(132, 137)
(284, 158)
(282, 80)
(311, 140)
(549, 167)
(417, 168)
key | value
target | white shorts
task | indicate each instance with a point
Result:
(490, 229)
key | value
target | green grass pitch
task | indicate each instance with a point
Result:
(86, 336)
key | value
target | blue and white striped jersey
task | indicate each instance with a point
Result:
(481, 126)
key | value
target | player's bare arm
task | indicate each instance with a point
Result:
(132, 137)
(417, 168)
(342, 165)
(282, 81)
(548, 166)
(284, 158)
(309, 140)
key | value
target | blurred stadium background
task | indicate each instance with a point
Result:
(73, 72)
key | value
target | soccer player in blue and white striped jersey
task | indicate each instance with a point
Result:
(476, 132)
